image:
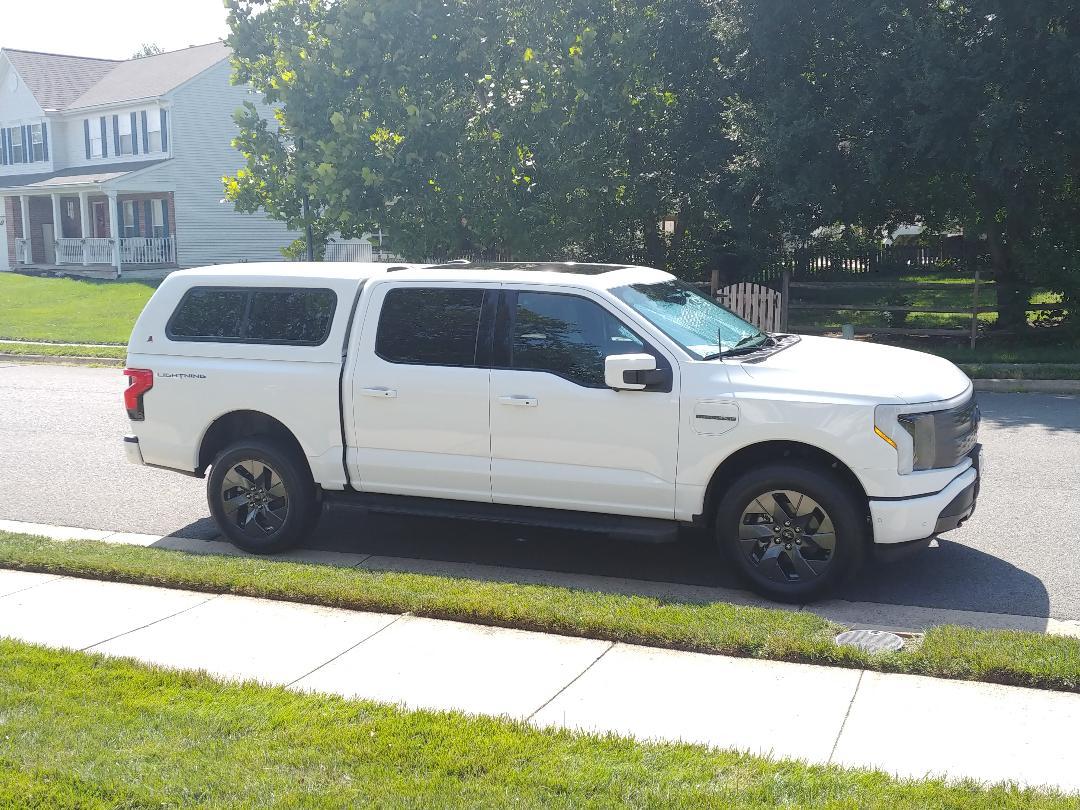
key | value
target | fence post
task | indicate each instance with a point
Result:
(975, 310)
(785, 298)
(714, 282)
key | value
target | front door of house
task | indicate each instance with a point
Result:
(101, 223)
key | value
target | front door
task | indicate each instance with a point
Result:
(419, 387)
(560, 438)
(48, 237)
(101, 222)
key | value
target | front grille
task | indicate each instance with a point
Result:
(956, 431)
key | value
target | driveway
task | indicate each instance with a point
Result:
(61, 462)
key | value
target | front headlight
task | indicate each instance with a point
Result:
(920, 426)
(902, 436)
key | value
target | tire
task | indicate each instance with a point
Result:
(262, 496)
(773, 524)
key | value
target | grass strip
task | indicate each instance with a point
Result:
(995, 656)
(85, 731)
(1021, 371)
(50, 350)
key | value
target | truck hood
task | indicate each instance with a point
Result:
(850, 368)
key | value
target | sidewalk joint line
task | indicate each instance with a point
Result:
(574, 680)
(847, 714)
(150, 624)
(30, 587)
(368, 557)
(347, 650)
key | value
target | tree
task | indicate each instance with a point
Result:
(147, 49)
(571, 128)
(891, 110)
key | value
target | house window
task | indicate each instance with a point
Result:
(158, 211)
(18, 155)
(37, 143)
(95, 139)
(130, 229)
(126, 135)
(153, 130)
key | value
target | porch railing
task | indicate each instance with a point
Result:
(70, 251)
(147, 250)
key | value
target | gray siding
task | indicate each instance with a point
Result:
(209, 231)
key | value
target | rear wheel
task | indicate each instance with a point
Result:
(792, 531)
(261, 496)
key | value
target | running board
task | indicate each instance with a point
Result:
(639, 529)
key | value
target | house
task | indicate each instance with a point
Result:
(116, 166)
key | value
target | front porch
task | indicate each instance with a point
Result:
(87, 234)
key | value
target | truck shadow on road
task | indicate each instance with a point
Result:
(950, 575)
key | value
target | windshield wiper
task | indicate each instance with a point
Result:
(741, 347)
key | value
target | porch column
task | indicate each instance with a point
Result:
(5, 263)
(114, 229)
(58, 226)
(28, 251)
(84, 225)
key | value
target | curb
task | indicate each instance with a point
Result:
(1028, 386)
(908, 619)
(61, 360)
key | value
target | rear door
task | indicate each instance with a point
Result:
(420, 391)
(560, 437)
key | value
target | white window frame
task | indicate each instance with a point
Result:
(158, 214)
(153, 130)
(37, 143)
(95, 137)
(130, 231)
(13, 133)
(125, 124)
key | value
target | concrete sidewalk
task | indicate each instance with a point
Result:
(906, 725)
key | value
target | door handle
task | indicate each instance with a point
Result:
(520, 401)
(380, 392)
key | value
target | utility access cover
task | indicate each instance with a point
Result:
(871, 641)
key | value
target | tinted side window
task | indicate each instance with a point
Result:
(208, 313)
(429, 326)
(568, 336)
(300, 317)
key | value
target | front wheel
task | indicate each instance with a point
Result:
(261, 496)
(792, 531)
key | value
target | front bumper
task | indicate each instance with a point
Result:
(132, 450)
(903, 520)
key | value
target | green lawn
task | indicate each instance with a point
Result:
(1028, 659)
(68, 311)
(89, 732)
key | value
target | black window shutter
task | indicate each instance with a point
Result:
(164, 131)
(119, 217)
(86, 134)
(145, 135)
(148, 222)
(45, 140)
(104, 138)
(135, 218)
(134, 134)
(165, 216)
(28, 150)
(116, 134)
(3, 147)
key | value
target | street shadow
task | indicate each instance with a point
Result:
(949, 575)
(1054, 412)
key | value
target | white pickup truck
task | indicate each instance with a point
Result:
(595, 397)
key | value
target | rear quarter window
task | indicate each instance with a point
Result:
(284, 316)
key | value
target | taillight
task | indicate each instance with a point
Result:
(140, 380)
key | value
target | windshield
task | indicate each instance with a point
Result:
(694, 321)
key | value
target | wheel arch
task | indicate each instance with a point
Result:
(754, 455)
(234, 425)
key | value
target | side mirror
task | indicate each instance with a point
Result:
(631, 372)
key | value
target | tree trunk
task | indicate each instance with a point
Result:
(1013, 292)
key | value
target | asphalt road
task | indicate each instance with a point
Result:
(61, 462)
